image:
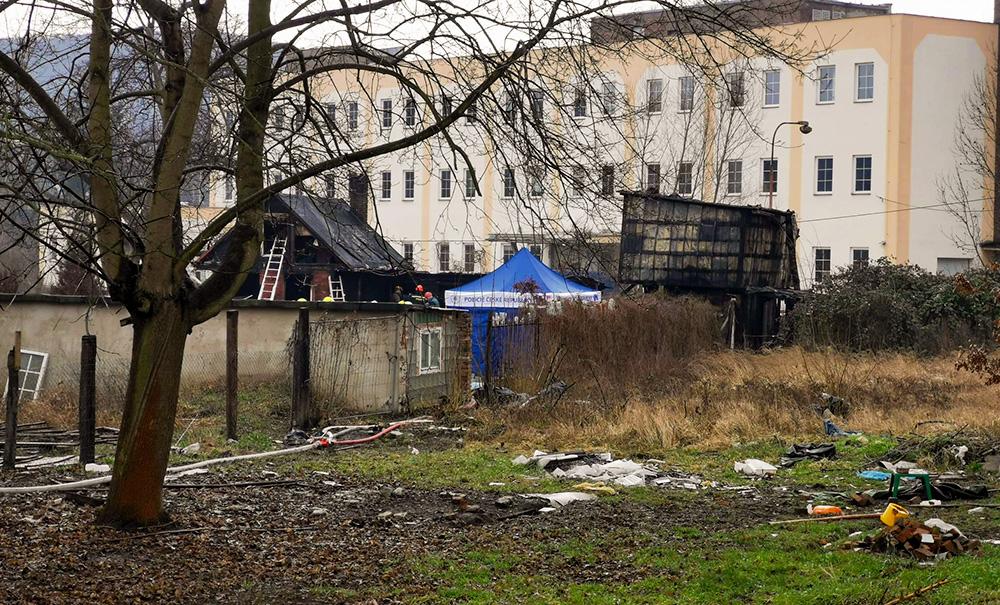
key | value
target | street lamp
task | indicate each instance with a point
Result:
(804, 128)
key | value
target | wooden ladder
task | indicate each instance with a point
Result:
(272, 269)
(337, 288)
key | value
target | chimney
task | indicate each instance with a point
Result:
(357, 193)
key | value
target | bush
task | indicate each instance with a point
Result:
(883, 306)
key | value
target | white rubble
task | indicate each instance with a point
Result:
(755, 468)
(93, 467)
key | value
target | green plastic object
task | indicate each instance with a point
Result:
(924, 478)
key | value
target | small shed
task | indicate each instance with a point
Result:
(726, 252)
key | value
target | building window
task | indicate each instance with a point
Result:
(859, 257)
(279, 117)
(824, 175)
(685, 178)
(953, 266)
(509, 250)
(772, 88)
(608, 99)
(444, 256)
(653, 177)
(654, 95)
(821, 264)
(864, 74)
(607, 180)
(470, 113)
(536, 98)
(446, 106)
(536, 249)
(408, 253)
(331, 112)
(734, 177)
(579, 103)
(536, 185)
(827, 84)
(509, 183)
(821, 14)
(687, 93)
(29, 379)
(737, 92)
(575, 183)
(409, 184)
(770, 176)
(509, 110)
(469, 258)
(445, 184)
(331, 186)
(862, 174)
(352, 115)
(230, 187)
(470, 183)
(385, 191)
(386, 113)
(430, 351)
(410, 113)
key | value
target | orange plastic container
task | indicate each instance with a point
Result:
(826, 510)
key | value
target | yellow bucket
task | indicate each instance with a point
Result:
(893, 513)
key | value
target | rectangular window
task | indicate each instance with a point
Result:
(953, 266)
(653, 177)
(576, 184)
(859, 257)
(386, 113)
(737, 91)
(579, 103)
(509, 183)
(864, 74)
(352, 115)
(687, 93)
(654, 95)
(509, 110)
(685, 178)
(430, 351)
(279, 117)
(446, 105)
(470, 183)
(409, 184)
(734, 177)
(536, 181)
(862, 174)
(230, 187)
(509, 250)
(772, 88)
(821, 264)
(469, 258)
(444, 257)
(607, 180)
(536, 249)
(537, 100)
(445, 184)
(770, 176)
(609, 99)
(29, 378)
(410, 113)
(331, 186)
(408, 253)
(386, 190)
(826, 84)
(470, 113)
(331, 113)
(824, 175)
(821, 14)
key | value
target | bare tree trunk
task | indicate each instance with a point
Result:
(148, 423)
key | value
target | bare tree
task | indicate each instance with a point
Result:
(160, 91)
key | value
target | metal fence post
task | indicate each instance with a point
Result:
(232, 369)
(88, 398)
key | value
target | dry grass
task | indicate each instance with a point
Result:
(732, 397)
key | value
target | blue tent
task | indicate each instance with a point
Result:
(522, 280)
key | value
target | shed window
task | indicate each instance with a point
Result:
(430, 351)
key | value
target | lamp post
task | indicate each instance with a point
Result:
(804, 128)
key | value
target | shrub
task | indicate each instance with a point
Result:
(883, 306)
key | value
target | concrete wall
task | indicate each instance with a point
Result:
(351, 369)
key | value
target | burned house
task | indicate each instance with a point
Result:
(314, 249)
(742, 257)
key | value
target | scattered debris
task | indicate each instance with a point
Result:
(940, 490)
(991, 464)
(811, 451)
(504, 501)
(398, 492)
(755, 468)
(317, 512)
(599, 488)
(191, 450)
(875, 475)
(832, 430)
(909, 537)
(560, 499)
(93, 467)
(825, 510)
(827, 519)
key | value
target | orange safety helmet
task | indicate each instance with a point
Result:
(429, 295)
(420, 288)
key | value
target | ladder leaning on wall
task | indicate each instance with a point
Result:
(337, 288)
(274, 262)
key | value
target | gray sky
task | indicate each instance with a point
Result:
(975, 10)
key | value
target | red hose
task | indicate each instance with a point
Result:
(369, 438)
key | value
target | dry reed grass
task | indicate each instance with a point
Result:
(731, 397)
